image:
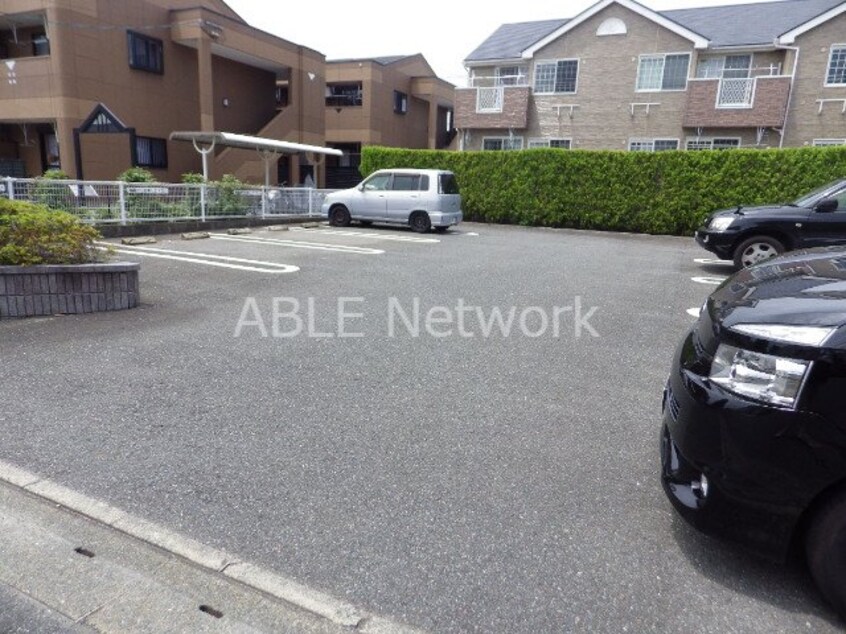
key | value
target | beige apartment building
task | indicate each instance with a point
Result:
(96, 86)
(389, 101)
(622, 76)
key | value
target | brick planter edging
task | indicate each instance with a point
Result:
(52, 289)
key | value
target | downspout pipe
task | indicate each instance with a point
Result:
(795, 49)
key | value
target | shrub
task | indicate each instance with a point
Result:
(51, 194)
(32, 234)
(660, 193)
(137, 175)
(229, 202)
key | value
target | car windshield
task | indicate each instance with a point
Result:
(821, 192)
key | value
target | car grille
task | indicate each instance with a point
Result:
(672, 405)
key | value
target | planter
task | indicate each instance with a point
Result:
(52, 289)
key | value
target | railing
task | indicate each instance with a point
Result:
(123, 203)
(736, 93)
(498, 81)
(489, 99)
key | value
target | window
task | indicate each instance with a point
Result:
(145, 53)
(724, 67)
(563, 144)
(556, 77)
(836, 75)
(379, 182)
(511, 76)
(406, 183)
(662, 72)
(828, 142)
(502, 143)
(400, 102)
(342, 95)
(447, 184)
(151, 152)
(653, 145)
(702, 143)
(40, 45)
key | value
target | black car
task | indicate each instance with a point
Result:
(753, 442)
(749, 235)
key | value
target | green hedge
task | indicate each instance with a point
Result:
(658, 193)
(33, 234)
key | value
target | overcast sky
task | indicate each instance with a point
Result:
(444, 31)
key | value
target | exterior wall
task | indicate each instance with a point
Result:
(375, 122)
(805, 122)
(601, 114)
(88, 65)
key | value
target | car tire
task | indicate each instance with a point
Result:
(339, 216)
(756, 249)
(420, 222)
(825, 549)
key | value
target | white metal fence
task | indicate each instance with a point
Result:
(123, 203)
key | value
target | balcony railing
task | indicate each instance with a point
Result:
(489, 99)
(736, 93)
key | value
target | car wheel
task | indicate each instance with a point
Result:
(756, 249)
(339, 216)
(825, 548)
(420, 222)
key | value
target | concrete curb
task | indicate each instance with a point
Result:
(246, 573)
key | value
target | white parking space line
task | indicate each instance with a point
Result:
(713, 261)
(714, 281)
(364, 234)
(296, 244)
(221, 261)
(693, 312)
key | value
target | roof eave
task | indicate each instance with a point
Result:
(699, 42)
(790, 36)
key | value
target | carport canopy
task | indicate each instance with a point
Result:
(268, 149)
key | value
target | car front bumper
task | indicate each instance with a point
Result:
(720, 243)
(734, 468)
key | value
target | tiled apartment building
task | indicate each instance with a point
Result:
(390, 101)
(622, 76)
(96, 86)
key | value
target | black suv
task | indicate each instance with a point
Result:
(749, 235)
(753, 443)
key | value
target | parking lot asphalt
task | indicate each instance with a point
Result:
(448, 481)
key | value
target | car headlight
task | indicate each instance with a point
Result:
(801, 335)
(720, 223)
(760, 377)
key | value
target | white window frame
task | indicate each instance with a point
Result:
(555, 62)
(834, 47)
(510, 140)
(651, 143)
(663, 57)
(710, 140)
(828, 142)
(751, 87)
(547, 142)
(520, 79)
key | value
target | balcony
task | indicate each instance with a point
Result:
(492, 107)
(755, 102)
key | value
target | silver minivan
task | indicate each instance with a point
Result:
(421, 199)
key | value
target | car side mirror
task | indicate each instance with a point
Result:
(827, 205)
